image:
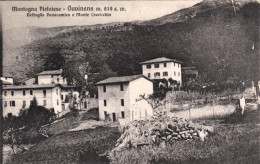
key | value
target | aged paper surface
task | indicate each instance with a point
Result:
(130, 81)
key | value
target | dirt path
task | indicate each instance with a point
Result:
(7, 152)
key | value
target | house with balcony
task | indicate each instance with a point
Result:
(162, 68)
(118, 98)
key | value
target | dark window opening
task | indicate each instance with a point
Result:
(105, 102)
(122, 102)
(123, 114)
(148, 66)
(156, 65)
(114, 117)
(121, 87)
(44, 93)
(104, 88)
(165, 64)
(165, 73)
(12, 103)
(156, 74)
(85, 105)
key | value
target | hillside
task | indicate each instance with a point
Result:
(220, 39)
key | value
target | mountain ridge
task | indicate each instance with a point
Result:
(210, 38)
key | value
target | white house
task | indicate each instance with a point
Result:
(118, 98)
(7, 81)
(162, 68)
(18, 97)
(49, 77)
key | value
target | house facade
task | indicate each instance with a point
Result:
(117, 97)
(5, 81)
(18, 97)
(49, 88)
(162, 68)
(49, 77)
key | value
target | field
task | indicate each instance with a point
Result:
(235, 140)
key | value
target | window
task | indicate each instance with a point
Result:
(178, 65)
(174, 64)
(58, 80)
(85, 105)
(61, 96)
(174, 73)
(123, 114)
(57, 102)
(31, 92)
(45, 103)
(121, 87)
(156, 65)
(148, 66)
(156, 74)
(105, 102)
(5, 93)
(178, 73)
(57, 91)
(122, 102)
(24, 103)
(51, 76)
(24, 92)
(12, 103)
(104, 88)
(149, 75)
(5, 103)
(165, 64)
(44, 93)
(12, 93)
(165, 73)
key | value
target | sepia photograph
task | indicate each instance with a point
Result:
(130, 82)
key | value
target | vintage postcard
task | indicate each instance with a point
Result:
(130, 81)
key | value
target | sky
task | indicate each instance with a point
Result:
(135, 10)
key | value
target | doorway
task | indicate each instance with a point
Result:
(114, 117)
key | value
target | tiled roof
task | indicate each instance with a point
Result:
(159, 60)
(121, 79)
(52, 72)
(29, 86)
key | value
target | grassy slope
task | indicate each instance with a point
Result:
(231, 143)
(73, 147)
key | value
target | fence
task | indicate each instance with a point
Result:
(205, 112)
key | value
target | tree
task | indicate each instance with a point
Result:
(155, 100)
(32, 118)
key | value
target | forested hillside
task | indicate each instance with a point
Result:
(220, 39)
